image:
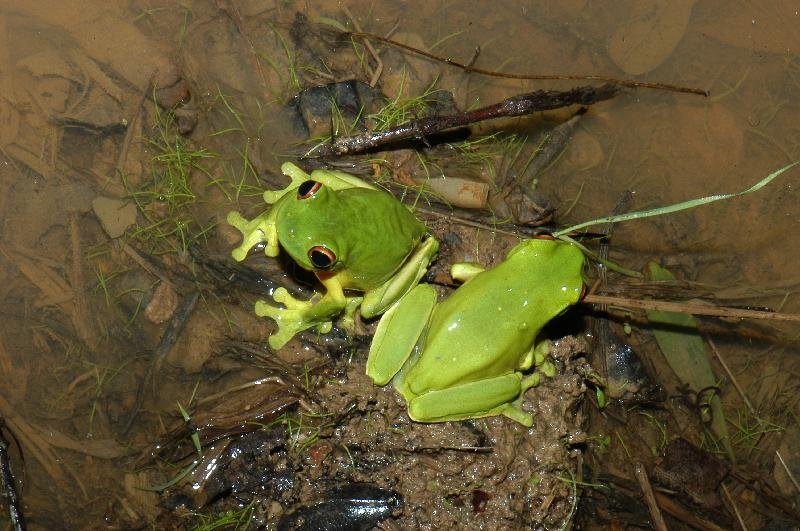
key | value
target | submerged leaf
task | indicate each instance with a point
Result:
(686, 352)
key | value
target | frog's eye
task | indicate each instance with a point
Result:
(307, 189)
(321, 257)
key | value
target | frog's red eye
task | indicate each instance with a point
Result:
(321, 257)
(307, 189)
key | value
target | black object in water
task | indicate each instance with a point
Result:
(354, 507)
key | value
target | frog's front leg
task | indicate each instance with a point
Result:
(301, 315)
(377, 300)
(336, 180)
(260, 229)
(501, 395)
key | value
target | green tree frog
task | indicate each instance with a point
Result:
(465, 357)
(352, 235)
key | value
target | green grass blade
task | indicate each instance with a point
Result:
(685, 205)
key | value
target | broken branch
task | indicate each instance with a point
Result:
(540, 100)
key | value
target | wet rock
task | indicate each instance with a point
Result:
(171, 95)
(626, 377)
(340, 104)
(407, 75)
(186, 120)
(98, 114)
(760, 28)
(162, 304)
(583, 153)
(115, 216)
(354, 507)
(109, 36)
(650, 35)
(692, 471)
(47, 63)
(253, 464)
(37, 205)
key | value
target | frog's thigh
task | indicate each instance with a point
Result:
(475, 399)
(398, 332)
(376, 301)
(464, 271)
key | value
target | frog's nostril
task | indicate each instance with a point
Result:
(321, 257)
(307, 189)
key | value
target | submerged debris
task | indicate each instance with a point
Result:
(692, 472)
(354, 507)
(626, 377)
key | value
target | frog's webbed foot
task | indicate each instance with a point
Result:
(294, 318)
(260, 229)
(295, 174)
(299, 315)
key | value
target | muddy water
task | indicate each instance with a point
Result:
(77, 123)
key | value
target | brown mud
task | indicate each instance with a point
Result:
(129, 130)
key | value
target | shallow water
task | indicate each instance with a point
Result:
(75, 112)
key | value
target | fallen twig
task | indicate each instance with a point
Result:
(644, 483)
(82, 317)
(540, 100)
(376, 73)
(690, 308)
(732, 503)
(171, 334)
(469, 68)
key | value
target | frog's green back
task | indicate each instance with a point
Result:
(487, 325)
(370, 231)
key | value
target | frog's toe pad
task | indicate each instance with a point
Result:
(282, 296)
(290, 322)
(517, 414)
(265, 309)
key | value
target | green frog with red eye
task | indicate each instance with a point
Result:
(353, 236)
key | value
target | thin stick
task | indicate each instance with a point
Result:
(468, 68)
(134, 254)
(735, 508)
(119, 168)
(644, 483)
(82, 317)
(376, 73)
(788, 472)
(523, 104)
(687, 307)
(734, 381)
(168, 339)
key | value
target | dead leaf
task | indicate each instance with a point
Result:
(686, 353)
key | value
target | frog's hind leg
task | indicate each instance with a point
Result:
(482, 398)
(299, 315)
(398, 333)
(464, 271)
